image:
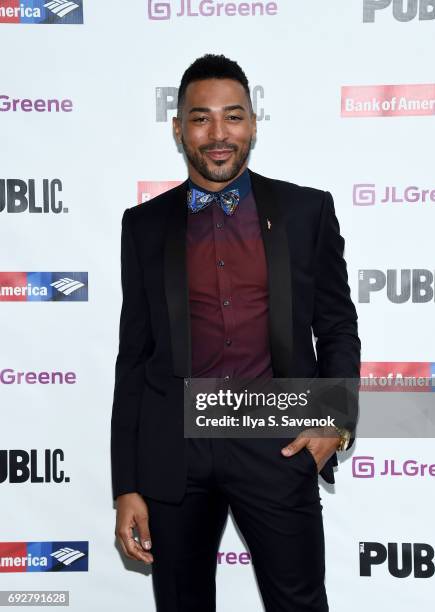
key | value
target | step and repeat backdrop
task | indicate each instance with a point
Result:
(345, 98)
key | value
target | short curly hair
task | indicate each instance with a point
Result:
(212, 66)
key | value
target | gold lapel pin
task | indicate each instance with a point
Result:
(269, 224)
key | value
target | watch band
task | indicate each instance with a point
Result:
(344, 438)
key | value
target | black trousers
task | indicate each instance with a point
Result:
(276, 505)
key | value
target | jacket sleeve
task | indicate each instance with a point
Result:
(335, 319)
(135, 347)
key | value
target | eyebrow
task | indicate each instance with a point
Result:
(205, 109)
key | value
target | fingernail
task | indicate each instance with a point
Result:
(147, 544)
(287, 452)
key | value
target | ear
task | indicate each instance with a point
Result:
(254, 126)
(176, 126)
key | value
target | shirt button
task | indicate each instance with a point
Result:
(226, 377)
(219, 225)
(221, 263)
(228, 341)
(226, 302)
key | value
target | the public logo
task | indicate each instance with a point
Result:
(41, 11)
(32, 196)
(424, 10)
(171, 9)
(402, 560)
(415, 285)
(166, 100)
(358, 101)
(18, 466)
(67, 556)
(43, 286)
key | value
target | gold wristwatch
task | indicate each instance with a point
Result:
(345, 436)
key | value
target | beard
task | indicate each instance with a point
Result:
(217, 170)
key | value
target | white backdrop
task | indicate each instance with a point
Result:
(115, 68)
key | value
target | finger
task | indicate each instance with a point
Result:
(295, 446)
(144, 532)
(322, 449)
(147, 557)
(133, 549)
(314, 456)
(124, 550)
(137, 551)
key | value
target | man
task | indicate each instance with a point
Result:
(228, 275)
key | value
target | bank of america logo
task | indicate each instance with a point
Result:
(67, 285)
(44, 286)
(61, 7)
(67, 555)
(61, 556)
(41, 11)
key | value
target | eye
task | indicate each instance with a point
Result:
(235, 118)
(200, 119)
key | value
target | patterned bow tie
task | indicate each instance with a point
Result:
(198, 200)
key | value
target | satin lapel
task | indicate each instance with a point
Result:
(176, 285)
(274, 233)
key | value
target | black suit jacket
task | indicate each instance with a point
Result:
(308, 292)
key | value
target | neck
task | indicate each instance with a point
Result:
(202, 182)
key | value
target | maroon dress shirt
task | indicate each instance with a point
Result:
(228, 292)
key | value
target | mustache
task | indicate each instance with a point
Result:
(218, 147)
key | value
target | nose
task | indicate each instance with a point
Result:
(217, 130)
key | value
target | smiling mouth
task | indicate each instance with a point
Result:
(219, 154)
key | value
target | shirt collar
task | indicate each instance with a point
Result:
(242, 183)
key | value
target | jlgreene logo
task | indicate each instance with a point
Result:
(64, 556)
(424, 10)
(41, 11)
(31, 196)
(43, 286)
(8, 376)
(233, 558)
(368, 466)
(369, 194)
(388, 100)
(158, 10)
(39, 105)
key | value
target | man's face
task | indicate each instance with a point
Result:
(216, 129)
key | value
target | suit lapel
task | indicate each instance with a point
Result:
(276, 247)
(274, 233)
(176, 284)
